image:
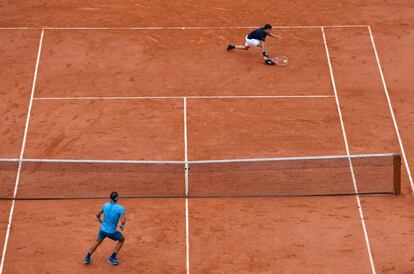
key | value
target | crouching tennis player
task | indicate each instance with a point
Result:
(257, 38)
(112, 213)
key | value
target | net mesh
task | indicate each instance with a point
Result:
(60, 180)
(319, 176)
(53, 179)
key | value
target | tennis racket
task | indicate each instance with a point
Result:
(281, 61)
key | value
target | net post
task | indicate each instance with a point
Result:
(397, 174)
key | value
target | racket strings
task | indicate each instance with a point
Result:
(281, 61)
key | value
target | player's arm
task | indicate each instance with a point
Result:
(277, 36)
(123, 221)
(122, 218)
(98, 216)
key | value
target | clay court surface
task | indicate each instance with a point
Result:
(152, 81)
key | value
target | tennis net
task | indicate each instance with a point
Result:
(300, 176)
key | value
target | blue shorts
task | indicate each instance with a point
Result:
(116, 236)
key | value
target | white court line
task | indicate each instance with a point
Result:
(188, 97)
(20, 28)
(21, 153)
(292, 158)
(90, 161)
(187, 242)
(361, 214)
(185, 145)
(187, 224)
(235, 160)
(179, 27)
(394, 120)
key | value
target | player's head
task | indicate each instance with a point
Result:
(268, 27)
(114, 196)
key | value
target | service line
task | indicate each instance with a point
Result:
(189, 97)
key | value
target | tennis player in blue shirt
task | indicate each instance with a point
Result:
(112, 213)
(257, 38)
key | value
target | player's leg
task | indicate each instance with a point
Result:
(95, 245)
(242, 47)
(266, 58)
(248, 43)
(117, 236)
(119, 245)
(99, 240)
(264, 50)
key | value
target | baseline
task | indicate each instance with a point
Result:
(179, 28)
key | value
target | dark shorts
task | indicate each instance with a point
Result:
(116, 236)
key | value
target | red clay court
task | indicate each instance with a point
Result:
(90, 88)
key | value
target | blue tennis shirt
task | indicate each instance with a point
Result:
(258, 34)
(112, 212)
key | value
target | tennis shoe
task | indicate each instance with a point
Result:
(231, 46)
(113, 261)
(86, 260)
(269, 62)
